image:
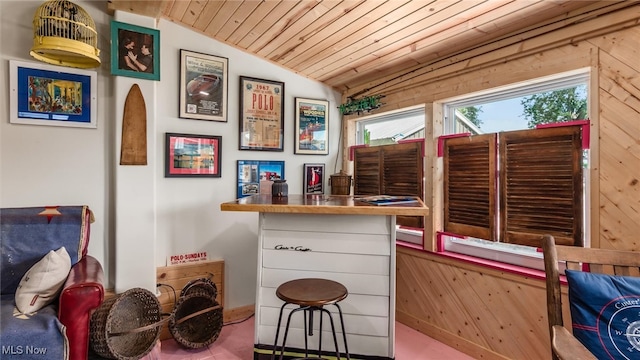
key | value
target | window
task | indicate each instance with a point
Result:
(392, 161)
(391, 127)
(538, 190)
(494, 171)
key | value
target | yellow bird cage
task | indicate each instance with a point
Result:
(64, 34)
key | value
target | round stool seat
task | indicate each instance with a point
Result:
(312, 292)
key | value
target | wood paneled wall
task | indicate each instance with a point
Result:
(496, 315)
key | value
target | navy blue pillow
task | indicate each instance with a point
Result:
(605, 311)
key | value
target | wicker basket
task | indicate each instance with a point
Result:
(202, 283)
(127, 326)
(340, 183)
(196, 320)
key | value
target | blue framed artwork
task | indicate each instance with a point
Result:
(43, 94)
(257, 176)
(135, 51)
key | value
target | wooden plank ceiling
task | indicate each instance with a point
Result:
(346, 44)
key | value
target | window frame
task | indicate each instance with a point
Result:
(451, 245)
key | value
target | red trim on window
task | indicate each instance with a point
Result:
(440, 239)
(491, 264)
(442, 138)
(409, 245)
(586, 129)
(352, 150)
(420, 140)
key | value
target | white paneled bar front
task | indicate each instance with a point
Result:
(335, 238)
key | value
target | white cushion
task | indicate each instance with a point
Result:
(42, 283)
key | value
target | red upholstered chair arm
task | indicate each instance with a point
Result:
(82, 293)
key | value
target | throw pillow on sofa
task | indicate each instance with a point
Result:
(42, 283)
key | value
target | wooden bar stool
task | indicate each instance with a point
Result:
(310, 295)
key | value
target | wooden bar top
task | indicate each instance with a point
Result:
(321, 204)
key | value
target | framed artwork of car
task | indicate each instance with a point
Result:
(203, 86)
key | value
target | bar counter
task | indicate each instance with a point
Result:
(333, 237)
(321, 204)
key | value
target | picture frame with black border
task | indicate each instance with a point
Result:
(311, 126)
(313, 179)
(261, 114)
(191, 155)
(203, 86)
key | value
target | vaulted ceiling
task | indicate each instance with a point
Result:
(346, 44)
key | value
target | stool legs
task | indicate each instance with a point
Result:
(344, 333)
(275, 343)
(309, 309)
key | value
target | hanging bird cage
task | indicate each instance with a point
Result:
(64, 34)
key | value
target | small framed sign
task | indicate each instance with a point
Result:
(313, 179)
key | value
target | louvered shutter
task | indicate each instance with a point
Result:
(403, 174)
(469, 186)
(541, 185)
(366, 171)
(395, 169)
(402, 169)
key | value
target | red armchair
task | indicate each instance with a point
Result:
(82, 292)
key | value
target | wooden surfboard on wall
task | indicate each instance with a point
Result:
(133, 149)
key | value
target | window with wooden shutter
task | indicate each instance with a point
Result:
(395, 169)
(366, 171)
(541, 185)
(469, 186)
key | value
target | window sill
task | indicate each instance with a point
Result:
(490, 264)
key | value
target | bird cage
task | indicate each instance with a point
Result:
(64, 34)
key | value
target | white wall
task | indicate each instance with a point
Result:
(180, 214)
(48, 165)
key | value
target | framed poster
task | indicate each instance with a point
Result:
(312, 127)
(261, 114)
(135, 51)
(203, 86)
(188, 155)
(41, 94)
(256, 176)
(313, 176)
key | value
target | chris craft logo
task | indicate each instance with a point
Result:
(23, 350)
(293, 248)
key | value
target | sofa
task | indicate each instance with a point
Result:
(49, 286)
